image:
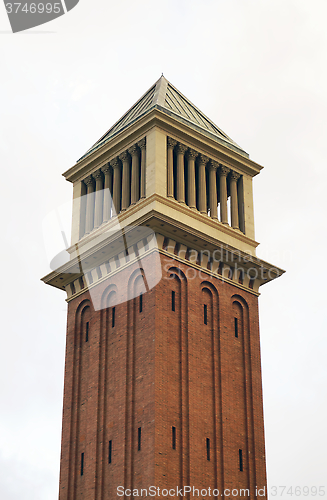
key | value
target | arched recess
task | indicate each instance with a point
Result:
(138, 372)
(107, 387)
(176, 361)
(211, 381)
(82, 329)
(243, 386)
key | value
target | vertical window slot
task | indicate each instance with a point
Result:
(173, 295)
(208, 449)
(240, 455)
(173, 437)
(87, 332)
(139, 430)
(236, 327)
(205, 314)
(113, 317)
(141, 302)
(109, 452)
(82, 464)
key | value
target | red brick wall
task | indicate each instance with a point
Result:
(157, 369)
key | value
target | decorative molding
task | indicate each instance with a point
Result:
(234, 175)
(181, 149)
(89, 180)
(124, 156)
(115, 163)
(106, 168)
(213, 165)
(97, 175)
(224, 171)
(171, 142)
(224, 269)
(191, 153)
(133, 150)
(142, 143)
(203, 159)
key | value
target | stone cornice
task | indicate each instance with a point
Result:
(228, 265)
(180, 209)
(106, 235)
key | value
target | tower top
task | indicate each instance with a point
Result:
(164, 165)
(162, 95)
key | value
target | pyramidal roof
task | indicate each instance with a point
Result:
(165, 97)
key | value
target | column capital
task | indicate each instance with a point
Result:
(224, 171)
(203, 159)
(181, 148)
(106, 168)
(124, 156)
(133, 150)
(115, 163)
(213, 165)
(235, 175)
(97, 174)
(171, 142)
(89, 180)
(191, 153)
(142, 143)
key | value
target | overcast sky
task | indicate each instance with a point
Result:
(257, 68)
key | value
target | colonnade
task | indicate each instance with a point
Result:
(113, 188)
(204, 184)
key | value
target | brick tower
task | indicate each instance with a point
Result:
(162, 377)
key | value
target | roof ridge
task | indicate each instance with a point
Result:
(124, 115)
(160, 92)
(202, 114)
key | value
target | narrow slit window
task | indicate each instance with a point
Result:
(205, 314)
(173, 437)
(87, 332)
(173, 297)
(208, 449)
(113, 317)
(141, 302)
(109, 452)
(82, 464)
(236, 327)
(139, 431)
(240, 455)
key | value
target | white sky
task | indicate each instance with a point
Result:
(258, 69)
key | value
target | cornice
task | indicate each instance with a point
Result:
(99, 251)
(176, 222)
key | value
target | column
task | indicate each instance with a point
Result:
(171, 143)
(202, 206)
(234, 201)
(213, 189)
(107, 192)
(191, 188)
(135, 186)
(240, 199)
(89, 204)
(142, 145)
(98, 214)
(180, 173)
(223, 172)
(116, 186)
(126, 185)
